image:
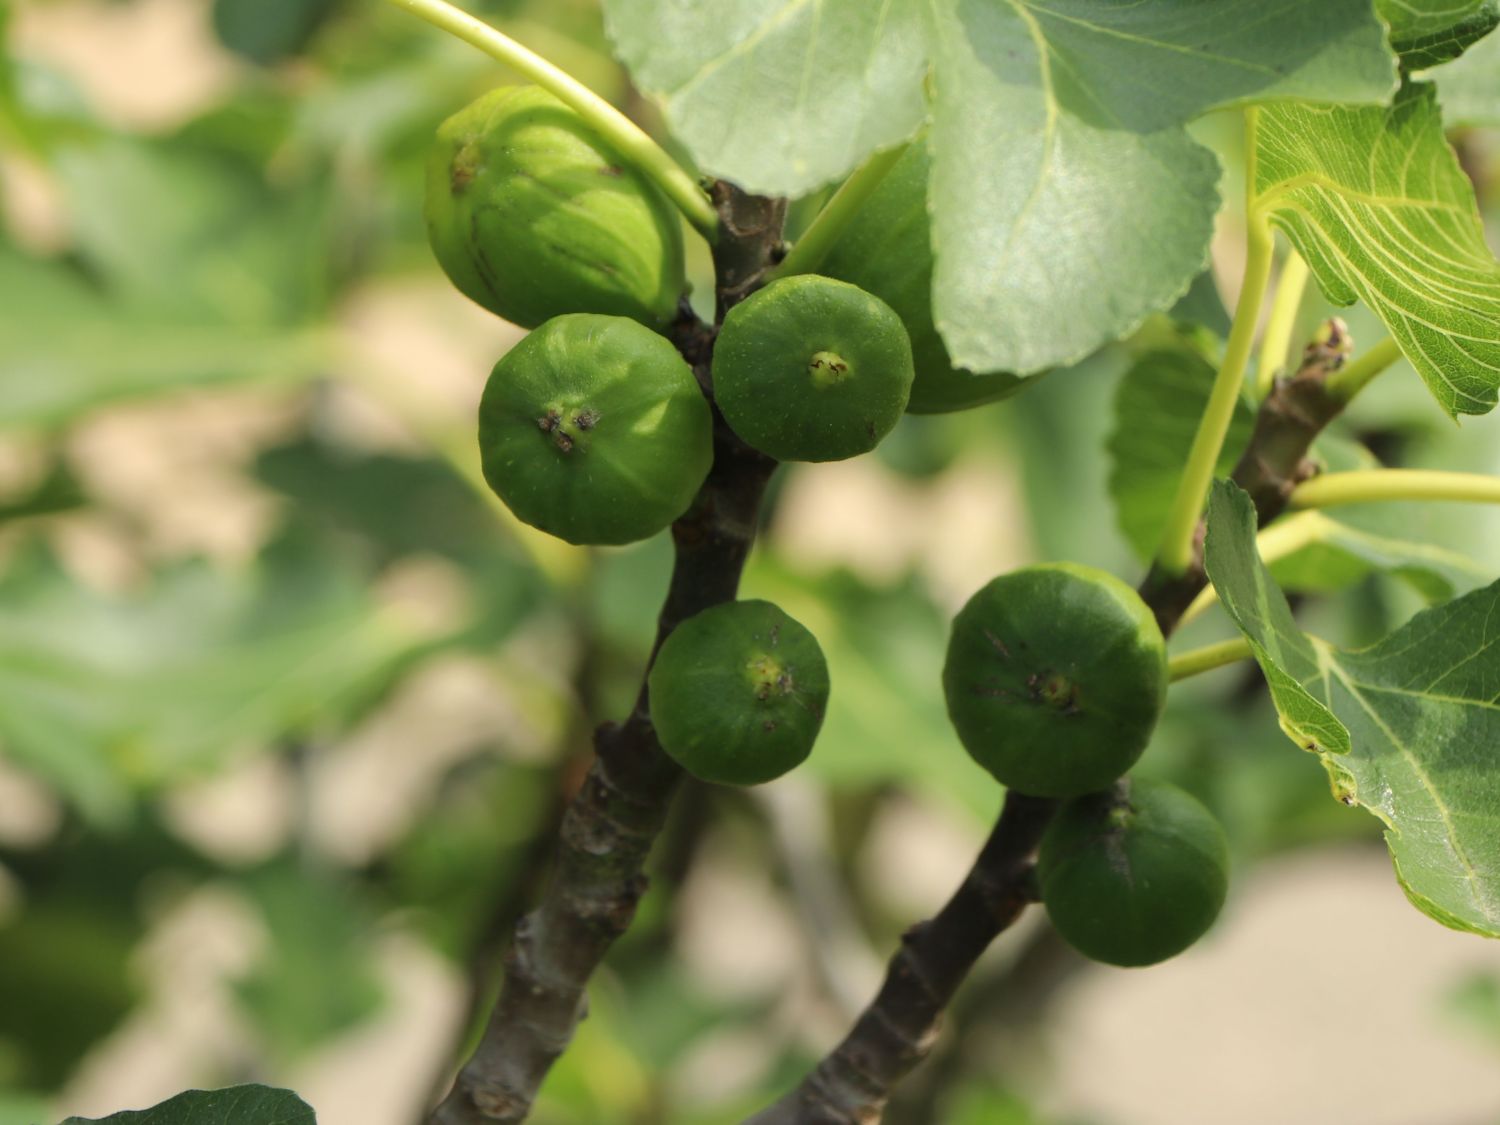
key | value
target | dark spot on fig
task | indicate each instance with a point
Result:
(563, 440)
(549, 421)
(769, 724)
(998, 643)
(612, 170)
(586, 420)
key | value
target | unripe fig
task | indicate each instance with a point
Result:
(594, 429)
(1133, 875)
(812, 369)
(887, 250)
(738, 693)
(532, 215)
(1055, 678)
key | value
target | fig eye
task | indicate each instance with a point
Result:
(738, 693)
(547, 456)
(1054, 679)
(812, 369)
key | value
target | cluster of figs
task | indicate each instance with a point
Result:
(594, 429)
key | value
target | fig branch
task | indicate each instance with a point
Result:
(852, 1084)
(611, 823)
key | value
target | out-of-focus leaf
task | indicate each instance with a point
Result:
(267, 31)
(1405, 728)
(66, 348)
(1157, 408)
(105, 695)
(316, 977)
(1376, 202)
(65, 983)
(1337, 555)
(237, 1105)
(1203, 305)
(1476, 1002)
(21, 1109)
(168, 227)
(1469, 88)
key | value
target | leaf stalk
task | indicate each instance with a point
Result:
(1371, 485)
(1176, 554)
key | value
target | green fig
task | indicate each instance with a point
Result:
(532, 215)
(738, 693)
(887, 250)
(1133, 875)
(812, 369)
(1055, 678)
(594, 429)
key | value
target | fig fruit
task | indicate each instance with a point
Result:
(812, 369)
(738, 693)
(887, 250)
(594, 429)
(532, 215)
(1055, 677)
(1134, 875)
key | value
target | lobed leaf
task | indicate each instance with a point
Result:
(1406, 728)
(780, 96)
(1376, 202)
(1068, 201)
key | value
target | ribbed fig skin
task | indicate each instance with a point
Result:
(594, 429)
(1133, 875)
(533, 216)
(887, 250)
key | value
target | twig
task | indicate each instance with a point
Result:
(612, 821)
(852, 1084)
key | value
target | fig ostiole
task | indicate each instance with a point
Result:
(812, 369)
(1133, 875)
(594, 429)
(738, 693)
(1055, 677)
(533, 216)
(887, 250)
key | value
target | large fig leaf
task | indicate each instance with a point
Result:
(1406, 728)
(238, 1105)
(1376, 202)
(1068, 202)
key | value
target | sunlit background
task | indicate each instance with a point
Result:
(288, 703)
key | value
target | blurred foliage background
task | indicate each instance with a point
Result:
(289, 705)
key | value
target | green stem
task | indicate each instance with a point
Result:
(1290, 286)
(1283, 538)
(1349, 380)
(1176, 552)
(1207, 658)
(808, 252)
(622, 134)
(1369, 485)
